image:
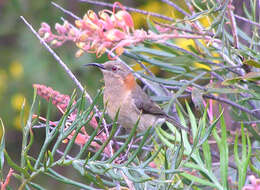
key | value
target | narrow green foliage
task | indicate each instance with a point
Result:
(242, 164)
(223, 148)
(200, 52)
(2, 147)
(130, 137)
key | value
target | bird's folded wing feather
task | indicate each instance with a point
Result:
(145, 105)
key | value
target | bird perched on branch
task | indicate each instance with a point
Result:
(122, 91)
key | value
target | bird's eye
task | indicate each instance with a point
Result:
(114, 68)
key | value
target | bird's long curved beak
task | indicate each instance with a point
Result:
(96, 65)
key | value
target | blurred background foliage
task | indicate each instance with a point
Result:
(24, 61)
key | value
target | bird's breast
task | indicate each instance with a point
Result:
(128, 113)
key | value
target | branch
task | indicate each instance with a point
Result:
(176, 7)
(230, 9)
(248, 21)
(58, 59)
(65, 11)
(68, 71)
(128, 9)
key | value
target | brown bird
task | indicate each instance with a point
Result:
(122, 91)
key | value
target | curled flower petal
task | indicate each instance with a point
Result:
(125, 17)
(60, 29)
(114, 35)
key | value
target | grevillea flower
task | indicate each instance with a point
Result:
(61, 101)
(255, 183)
(93, 33)
(5, 183)
(107, 31)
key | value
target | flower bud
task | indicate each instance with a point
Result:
(78, 24)
(125, 17)
(114, 35)
(45, 26)
(92, 16)
(60, 29)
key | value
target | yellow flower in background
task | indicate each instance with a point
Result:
(185, 44)
(158, 7)
(17, 101)
(205, 21)
(165, 9)
(16, 69)
(17, 122)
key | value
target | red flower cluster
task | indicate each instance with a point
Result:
(255, 183)
(61, 101)
(94, 33)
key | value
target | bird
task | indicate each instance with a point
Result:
(122, 92)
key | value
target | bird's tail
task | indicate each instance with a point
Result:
(176, 123)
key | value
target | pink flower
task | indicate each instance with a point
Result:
(255, 183)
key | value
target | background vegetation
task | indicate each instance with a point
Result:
(224, 68)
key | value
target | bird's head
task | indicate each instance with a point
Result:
(116, 73)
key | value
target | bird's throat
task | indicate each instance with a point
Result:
(129, 81)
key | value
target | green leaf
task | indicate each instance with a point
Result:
(151, 25)
(252, 63)
(198, 180)
(128, 140)
(151, 51)
(178, 155)
(2, 147)
(210, 128)
(252, 76)
(184, 60)
(225, 90)
(231, 81)
(161, 64)
(163, 81)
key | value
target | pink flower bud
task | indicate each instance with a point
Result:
(60, 29)
(45, 26)
(125, 17)
(41, 31)
(103, 15)
(92, 16)
(119, 51)
(78, 24)
(114, 35)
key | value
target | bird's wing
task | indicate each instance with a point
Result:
(144, 103)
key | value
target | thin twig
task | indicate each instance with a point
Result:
(128, 9)
(66, 11)
(176, 36)
(190, 53)
(68, 71)
(58, 59)
(129, 183)
(183, 29)
(220, 99)
(248, 122)
(209, 96)
(176, 7)
(247, 20)
(230, 8)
